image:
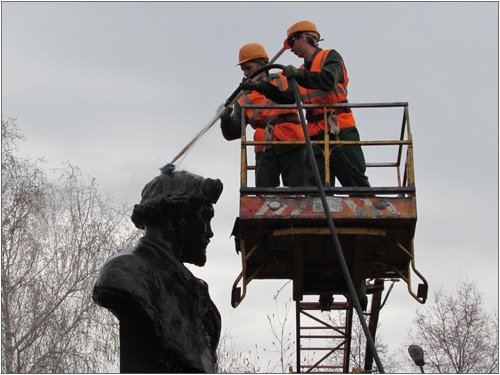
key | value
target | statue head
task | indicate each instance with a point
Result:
(180, 205)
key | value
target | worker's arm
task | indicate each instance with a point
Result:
(272, 92)
(231, 125)
(327, 79)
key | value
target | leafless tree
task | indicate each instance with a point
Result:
(231, 359)
(283, 343)
(456, 332)
(55, 237)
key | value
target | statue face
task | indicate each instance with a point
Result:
(197, 235)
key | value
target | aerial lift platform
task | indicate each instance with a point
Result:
(282, 233)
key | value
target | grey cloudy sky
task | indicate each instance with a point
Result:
(118, 89)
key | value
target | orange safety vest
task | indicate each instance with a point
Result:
(259, 117)
(337, 95)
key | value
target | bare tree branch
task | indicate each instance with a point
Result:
(55, 238)
(456, 333)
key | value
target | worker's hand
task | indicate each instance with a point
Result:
(250, 85)
(290, 71)
(227, 113)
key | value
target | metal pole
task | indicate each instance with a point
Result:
(374, 314)
(297, 331)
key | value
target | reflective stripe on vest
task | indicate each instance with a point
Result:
(315, 96)
(337, 95)
(255, 116)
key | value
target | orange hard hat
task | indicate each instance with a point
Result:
(297, 27)
(252, 51)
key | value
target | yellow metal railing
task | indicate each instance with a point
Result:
(403, 161)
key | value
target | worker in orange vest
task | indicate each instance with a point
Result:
(270, 124)
(321, 79)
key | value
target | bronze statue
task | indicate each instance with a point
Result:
(168, 323)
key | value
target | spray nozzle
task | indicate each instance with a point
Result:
(167, 168)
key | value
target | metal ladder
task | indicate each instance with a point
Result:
(321, 346)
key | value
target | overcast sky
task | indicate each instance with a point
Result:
(118, 89)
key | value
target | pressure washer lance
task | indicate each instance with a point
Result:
(170, 167)
(186, 148)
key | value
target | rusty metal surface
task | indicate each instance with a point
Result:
(282, 208)
(275, 257)
(287, 237)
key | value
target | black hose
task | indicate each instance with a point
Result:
(336, 242)
(254, 74)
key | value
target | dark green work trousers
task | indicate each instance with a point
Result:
(289, 161)
(347, 163)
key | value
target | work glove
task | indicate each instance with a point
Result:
(290, 71)
(227, 113)
(250, 85)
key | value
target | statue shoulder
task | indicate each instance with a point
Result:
(124, 280)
